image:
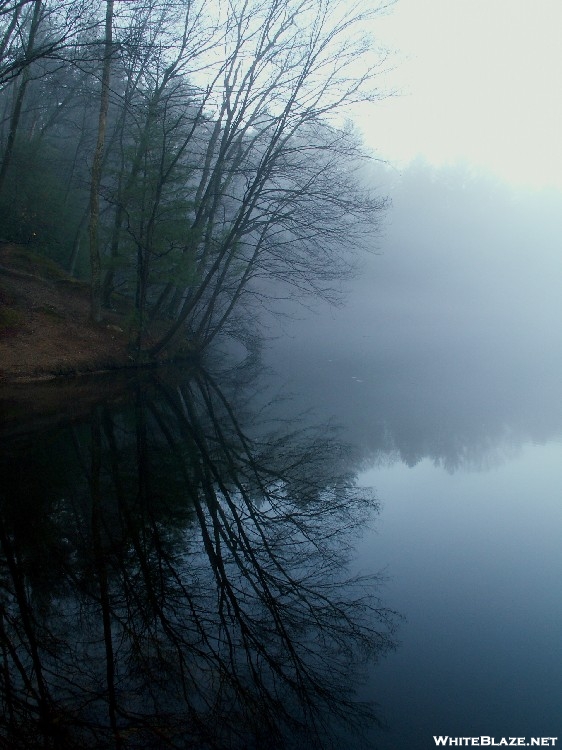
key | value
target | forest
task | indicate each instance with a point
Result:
(192, 161)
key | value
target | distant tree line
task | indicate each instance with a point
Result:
(185, 157)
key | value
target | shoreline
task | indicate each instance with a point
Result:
(45, 329)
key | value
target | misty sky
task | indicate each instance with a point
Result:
(477, 81)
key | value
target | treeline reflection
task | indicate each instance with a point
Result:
(173, 575)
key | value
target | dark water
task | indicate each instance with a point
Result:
(174, 570)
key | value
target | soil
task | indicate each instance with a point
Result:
(45, 328)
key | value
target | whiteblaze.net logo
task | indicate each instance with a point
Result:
(493, 742)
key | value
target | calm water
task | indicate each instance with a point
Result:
(175, 569)
(474, 561)
(468, 469)
(190, 562)
(357, 546)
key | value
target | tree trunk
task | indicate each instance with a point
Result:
(95, 256)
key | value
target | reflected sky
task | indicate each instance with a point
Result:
(474, 561)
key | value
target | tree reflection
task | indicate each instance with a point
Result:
(173, 575)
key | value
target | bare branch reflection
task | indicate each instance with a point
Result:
(173, 575)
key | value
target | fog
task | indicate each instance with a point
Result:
(448, 346)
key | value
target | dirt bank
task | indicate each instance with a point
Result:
(45, 329)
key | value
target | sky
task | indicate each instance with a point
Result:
(477, 82)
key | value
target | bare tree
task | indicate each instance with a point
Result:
(95, 257)
(38, 41)
(286, 73)
(232, 133)
(16, 113)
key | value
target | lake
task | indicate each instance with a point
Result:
(354, 542)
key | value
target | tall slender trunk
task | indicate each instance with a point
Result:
(95, 256)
